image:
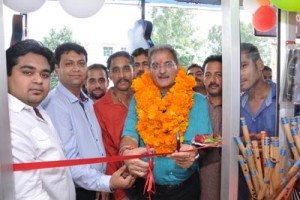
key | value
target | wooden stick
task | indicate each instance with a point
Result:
(280, 167)
(296, 137)
(245, 169)
(288, 133)
(245, 131)
(263, 191)
(266, 152)
(289, 185)
(288, 176)
(253, 171)
(257, 162)
(293, 123)
(241, 146)
(263, 134)
(274, 157)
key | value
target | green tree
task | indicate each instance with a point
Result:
(214, 43)
(53, 40)
(174, 26)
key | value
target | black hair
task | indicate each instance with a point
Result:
(212, 58)
(139, 51)
(267, 68)
(98, 66)
(24, 47)
(195, 66)
(67, 47)
(119, 54)
(251, 50)
(162, 48)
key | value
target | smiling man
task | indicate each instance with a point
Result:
(74, 118)
(33, 136)
(164, 103)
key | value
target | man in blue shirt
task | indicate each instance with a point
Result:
(73, 116)
(164, 104)
(258, 102)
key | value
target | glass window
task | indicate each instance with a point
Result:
(107, 51)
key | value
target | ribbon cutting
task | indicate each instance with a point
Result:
(74, 162)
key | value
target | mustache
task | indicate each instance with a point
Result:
(123, 79)
(213, 84)
(163, 76)
(141, 72)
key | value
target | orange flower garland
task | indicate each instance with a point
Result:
(160, 118)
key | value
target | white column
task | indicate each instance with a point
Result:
(231, 97)
(6, 174)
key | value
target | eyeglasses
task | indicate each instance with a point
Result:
(166, 65)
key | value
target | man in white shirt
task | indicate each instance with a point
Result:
(33, 136)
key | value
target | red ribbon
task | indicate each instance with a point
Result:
(150, 182)
(85, 161)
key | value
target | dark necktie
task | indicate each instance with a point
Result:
(37, 112)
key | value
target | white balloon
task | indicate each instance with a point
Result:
(251, 6)
(81, 8)
(24, 6)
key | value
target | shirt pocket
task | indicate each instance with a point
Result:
(41, 140)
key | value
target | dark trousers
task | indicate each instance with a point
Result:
(189, 190)
(83, 194)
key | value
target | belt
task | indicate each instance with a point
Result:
(178, 186)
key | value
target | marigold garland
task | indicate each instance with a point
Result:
(160, 118)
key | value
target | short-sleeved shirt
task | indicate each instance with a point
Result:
(166, 172)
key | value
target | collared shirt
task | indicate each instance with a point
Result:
(35, 140)
(166, 172)
(111, 114)
(264, 119)
(215, 113)
(80, 133)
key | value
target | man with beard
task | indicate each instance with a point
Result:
(210, 164)
(258, 102)
(140, 58)
(74, 118)
(112, 109)
(196, 71)
(96, 82)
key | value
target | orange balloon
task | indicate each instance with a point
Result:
(263, 2)
(264, 19)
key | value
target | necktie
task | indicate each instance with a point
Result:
(37, 112)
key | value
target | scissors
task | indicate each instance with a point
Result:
(178, 140)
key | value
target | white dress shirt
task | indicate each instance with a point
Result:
(35, 139)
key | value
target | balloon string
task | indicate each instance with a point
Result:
(150, 182)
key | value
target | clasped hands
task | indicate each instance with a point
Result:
(184, 158)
